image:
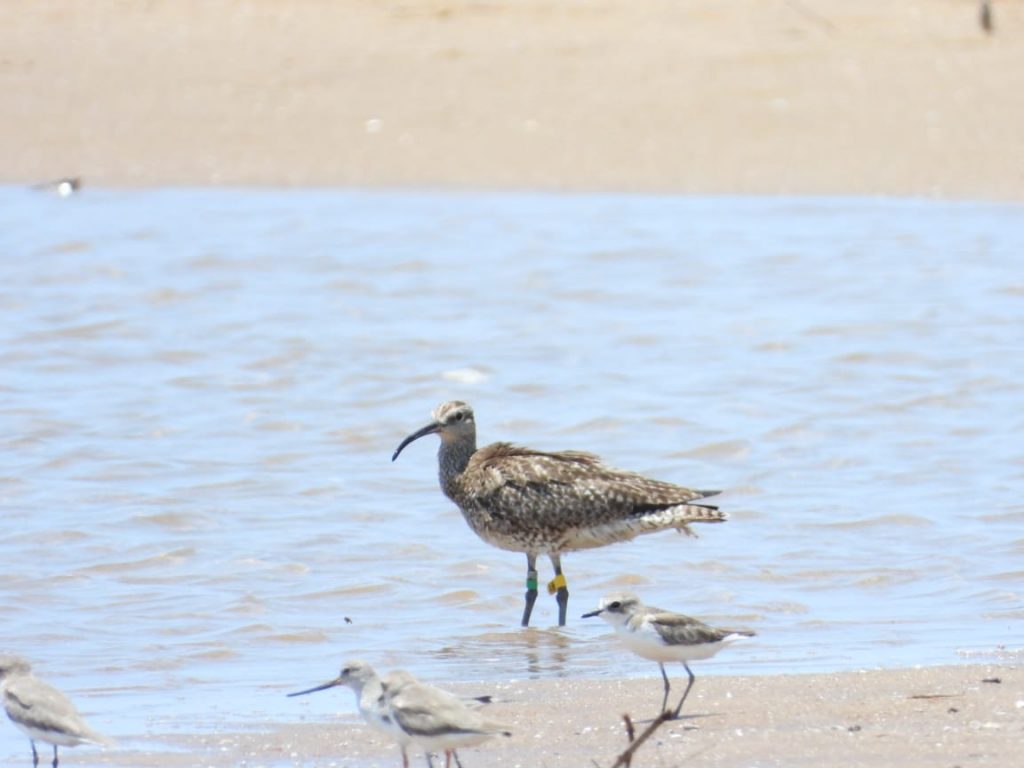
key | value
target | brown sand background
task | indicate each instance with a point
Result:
(695, 96)
(937, 717)
(749, 96)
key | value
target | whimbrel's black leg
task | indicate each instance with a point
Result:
(689, 685)
(531, 588)
(455, 754)
(559, 585)
(54, 756)
(664, 701)
(35, 755)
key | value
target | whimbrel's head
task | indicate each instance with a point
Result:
(12, 666)
(355, 674)
(453, 423)
(616, 608)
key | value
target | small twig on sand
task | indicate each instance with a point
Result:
(630, 733)
(629, 728)
(626, 757)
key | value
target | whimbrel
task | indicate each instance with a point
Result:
(664, 636)
(41, 711)
(537, 502)
(434, 719)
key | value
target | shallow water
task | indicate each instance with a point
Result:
(202, 390)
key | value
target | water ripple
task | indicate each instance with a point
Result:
(202, 391)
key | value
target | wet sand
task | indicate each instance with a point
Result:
(786, 97)
(939, 716)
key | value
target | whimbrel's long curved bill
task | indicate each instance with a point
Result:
(430, 429)
(323, 687)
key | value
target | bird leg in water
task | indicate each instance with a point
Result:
(561, 586)
(531, 588)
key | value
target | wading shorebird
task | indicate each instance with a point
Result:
(433, 719)
(364, 682)
(41, 711)
(664, 636)
(369, 692)
(542, 503)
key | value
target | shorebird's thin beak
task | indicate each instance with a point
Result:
(430, 429)
(324, 687)
(590, 615)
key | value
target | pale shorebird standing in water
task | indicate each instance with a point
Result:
(41, 711)
(664, 636)
(364, 682)
(434, 719)
(542, 503)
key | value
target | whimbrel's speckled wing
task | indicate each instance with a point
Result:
(574, 497)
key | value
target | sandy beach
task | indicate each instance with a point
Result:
(971, 715)
(788, 97)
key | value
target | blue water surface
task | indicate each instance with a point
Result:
(202, 389)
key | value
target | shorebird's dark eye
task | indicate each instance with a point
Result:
(615, 605)
(460, 416)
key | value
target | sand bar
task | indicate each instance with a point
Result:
(752, 96)
(970, 715)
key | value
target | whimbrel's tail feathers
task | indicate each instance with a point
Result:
(643, 519)
(678, 515)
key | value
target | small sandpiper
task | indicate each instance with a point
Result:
(547, 503)
(364, 682)
(434, 719)
(664, 636)
(41, 711)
